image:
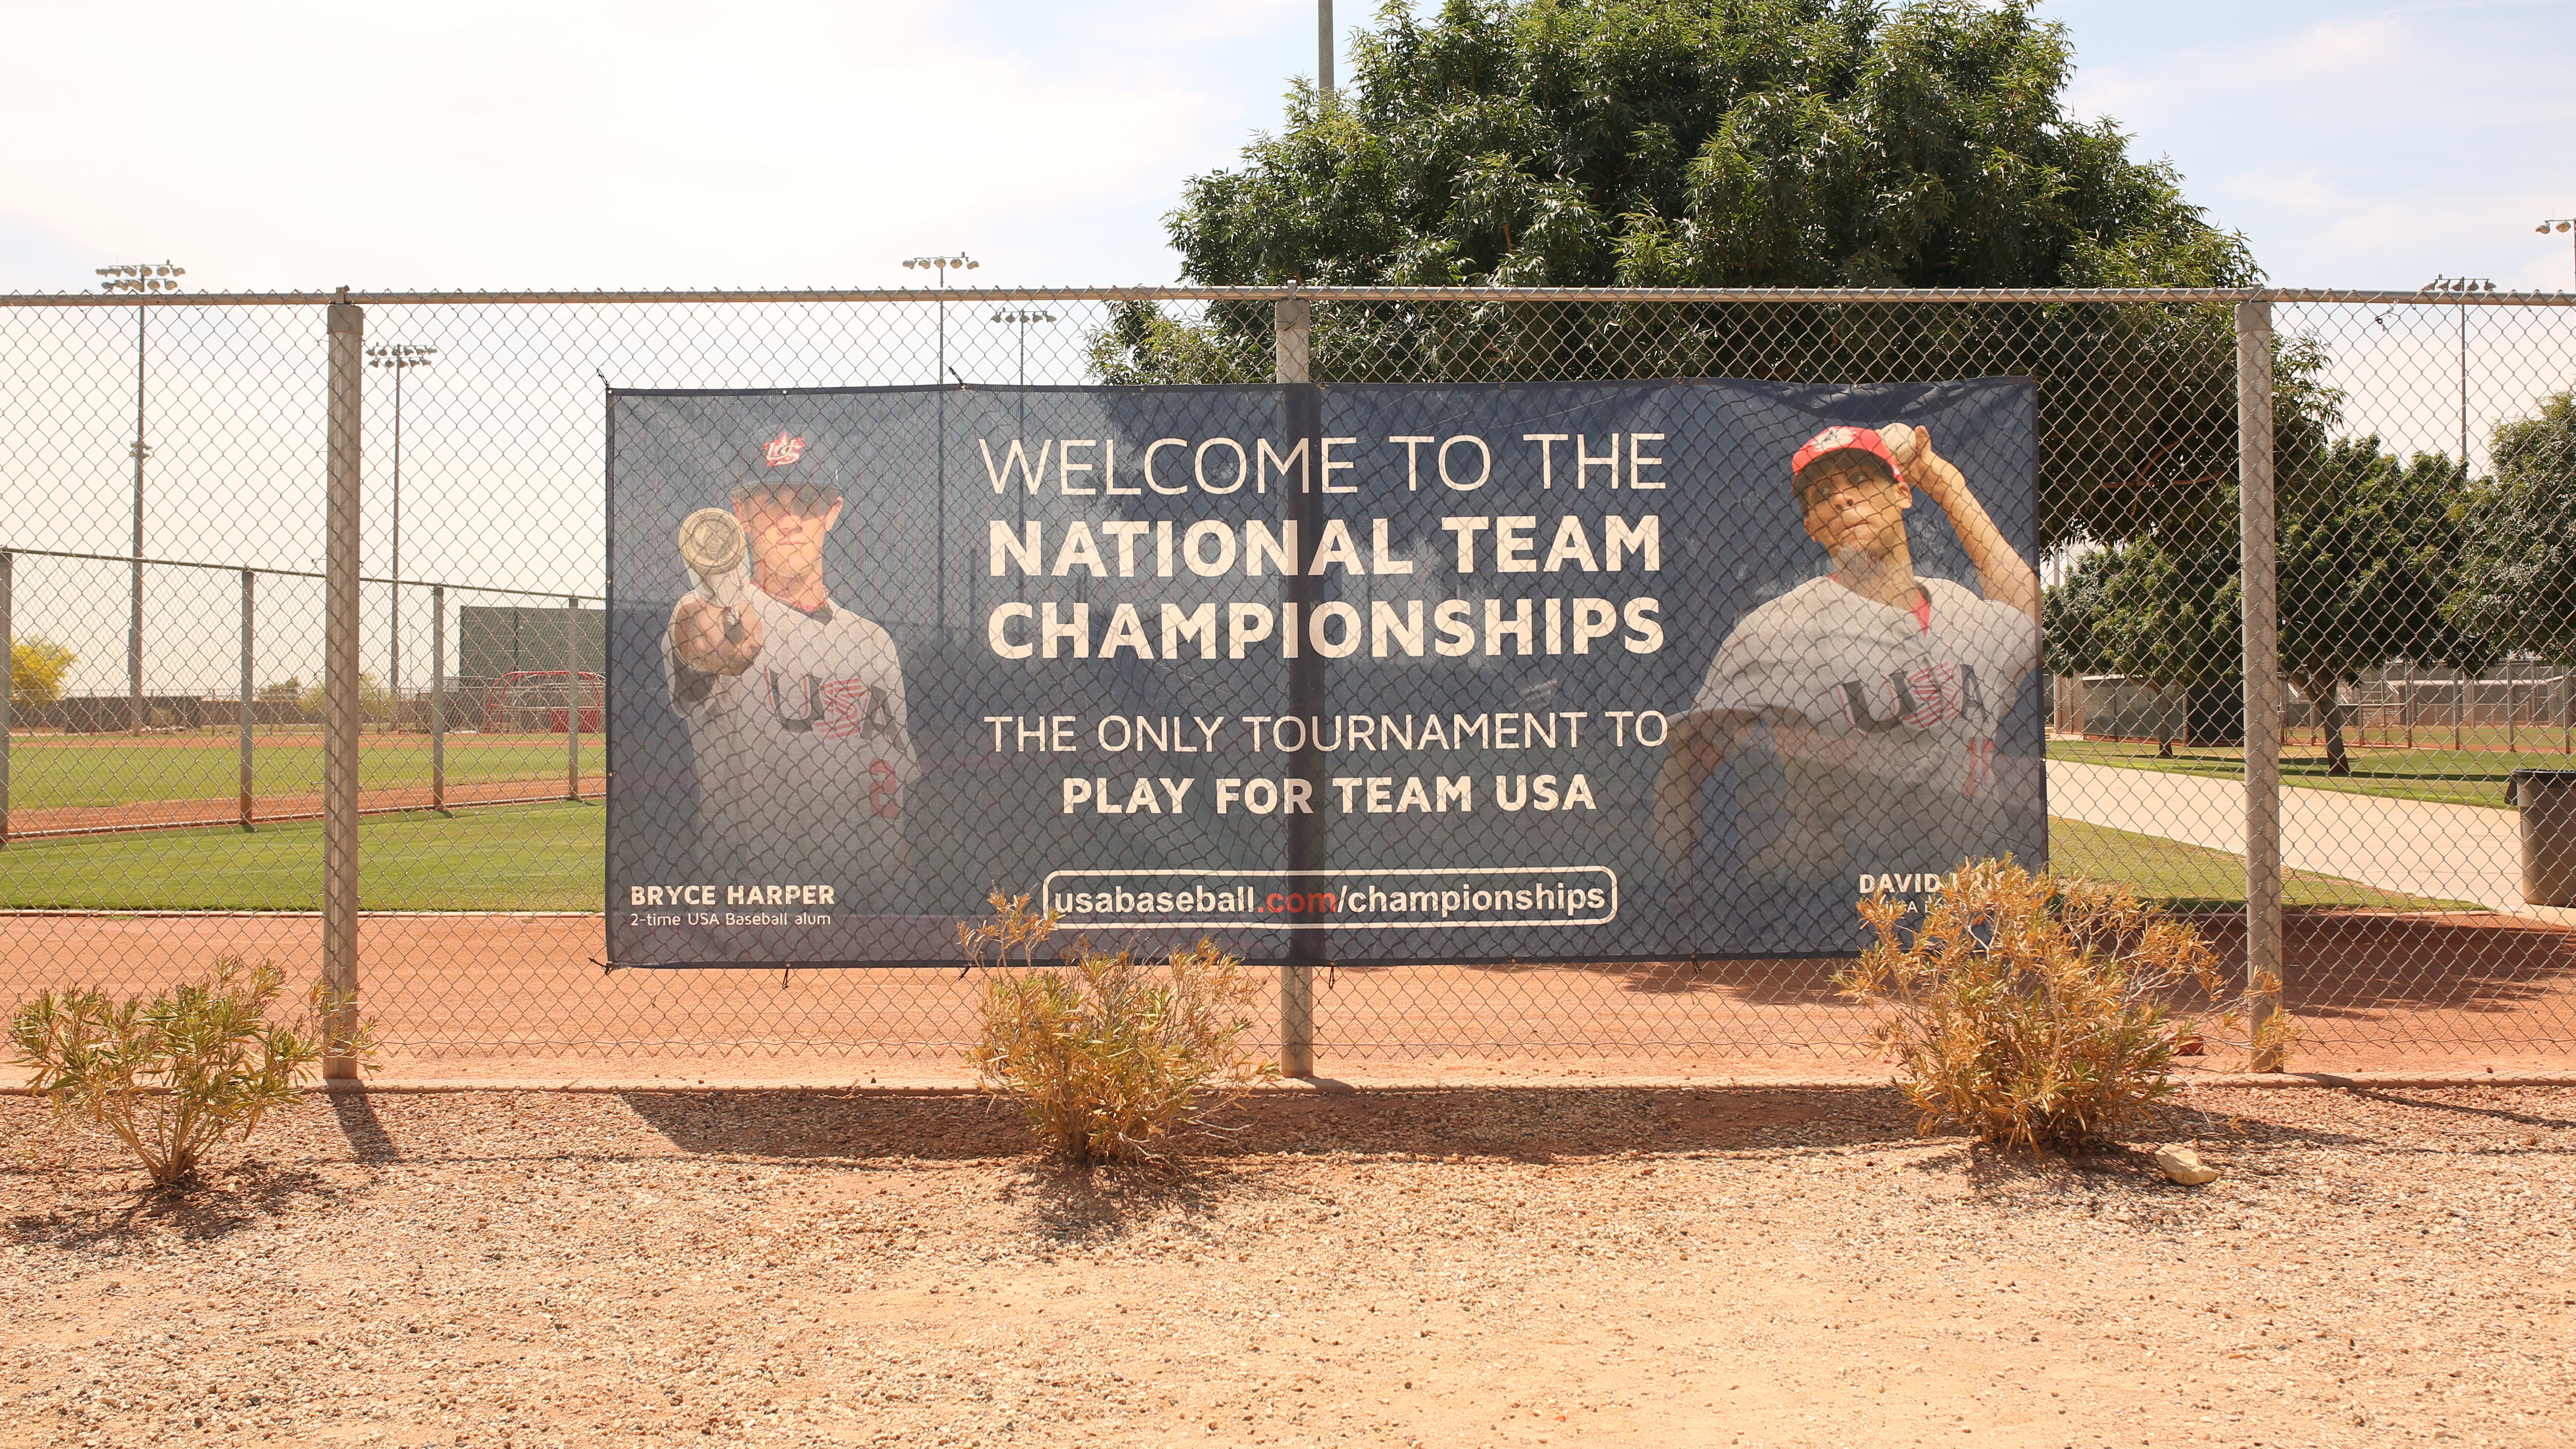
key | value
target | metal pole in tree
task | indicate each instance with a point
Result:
(140, 277)
(348, 335)
(1292, 319)
(438, 697)
(1324, 54)
(249, 690)
(2259, 561)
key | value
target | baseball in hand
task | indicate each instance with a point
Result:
(1905, 442)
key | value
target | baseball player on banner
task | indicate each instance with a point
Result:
(1860, 707)
(794, 705)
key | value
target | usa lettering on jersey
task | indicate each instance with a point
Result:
(1919, 699)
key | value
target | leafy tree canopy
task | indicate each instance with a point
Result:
(2367, 544)
(2367, 556)
(36, 668)
(2517, 574)
(1724, 143)
(1701, 143)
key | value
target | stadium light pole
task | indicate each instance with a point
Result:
(961, 262)
(1021, 317)
(943, 263)
(1323, 55)
(397, 358)
(2461, 286)
(2561, 223)
(161, 276)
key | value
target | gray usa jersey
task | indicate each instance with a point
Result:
(1873, 750)
(803, 760)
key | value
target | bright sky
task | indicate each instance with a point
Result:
(301, 145)
(584, 143)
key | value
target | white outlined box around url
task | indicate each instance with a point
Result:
(1256, 909)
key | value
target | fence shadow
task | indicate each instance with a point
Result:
(2342, 964)
(829, 1124)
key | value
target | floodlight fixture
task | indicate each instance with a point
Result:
(2559, 223)
(141, 277)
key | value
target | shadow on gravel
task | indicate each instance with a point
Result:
(233, 1196)
(1522, 1124)
(1076, 1207)
(1526, 1124)
(794, 1125)
(1543, 1124)
(368, 1140)
(2501, 1114)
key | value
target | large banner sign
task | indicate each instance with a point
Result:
(1550, 672)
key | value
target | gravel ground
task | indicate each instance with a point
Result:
(1493, 1267)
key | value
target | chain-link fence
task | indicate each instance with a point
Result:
(211, 500)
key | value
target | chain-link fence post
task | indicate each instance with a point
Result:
(1293, 319)
(573, 693)
(438, 697)
(8, 680)
(2258, 557)
(348, 336)
(249, 690)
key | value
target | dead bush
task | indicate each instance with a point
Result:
(2035, 1011)
(1112, 1058)
(173, 1075)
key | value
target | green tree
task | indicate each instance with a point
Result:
(2517, 576)
(2368, 559)
(1723, 143)
(36, 668)
(374, 700)
(2367, 544)
(2165, 616)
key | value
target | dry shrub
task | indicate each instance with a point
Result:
(173, 1075)
(1112, 1059)
(2035, 1011)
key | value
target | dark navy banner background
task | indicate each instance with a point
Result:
(1093, 689)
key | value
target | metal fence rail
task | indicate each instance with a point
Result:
(2257, 510)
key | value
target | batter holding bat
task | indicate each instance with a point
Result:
(794, 705)
(1860, 707)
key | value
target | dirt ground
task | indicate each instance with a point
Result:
(1500, 1267)
(466, 997)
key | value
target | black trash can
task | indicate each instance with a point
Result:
(2547, 799)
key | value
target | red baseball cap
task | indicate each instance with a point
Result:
(1837, 440)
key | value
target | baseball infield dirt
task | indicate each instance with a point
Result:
(1475, 1268)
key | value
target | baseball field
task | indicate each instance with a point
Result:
(2474, 774)
(59, 772)
(547, 856)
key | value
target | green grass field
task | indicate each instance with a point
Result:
(2193, 877)
(523, 857)
(2451, 777)
(49, 771)
(548, 857)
